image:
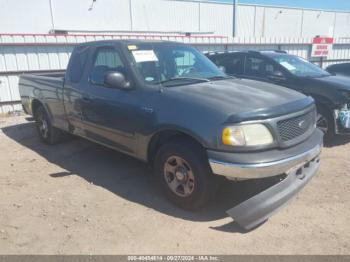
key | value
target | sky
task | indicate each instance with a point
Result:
(317, 4)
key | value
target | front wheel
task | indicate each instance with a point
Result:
(184, 174)
(325, 123)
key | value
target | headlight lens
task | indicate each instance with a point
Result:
(247, 135)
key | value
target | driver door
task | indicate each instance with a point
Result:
(260, 69)
(233, 64)
(108, 113)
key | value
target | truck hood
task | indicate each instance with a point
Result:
(244, 99)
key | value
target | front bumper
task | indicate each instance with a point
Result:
(265, 163)
(298, 169)
(260, 207)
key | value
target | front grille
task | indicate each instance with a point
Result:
(295, 127)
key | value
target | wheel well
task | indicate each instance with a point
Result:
(164, 137)
(324, 107)
(322, 101)
(35, 105)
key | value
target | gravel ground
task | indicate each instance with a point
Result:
(81, 198)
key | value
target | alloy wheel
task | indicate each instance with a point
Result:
(43, 126)
(179, 176)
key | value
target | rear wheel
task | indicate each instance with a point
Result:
(184, 174)
(47, 133)
(325, 123)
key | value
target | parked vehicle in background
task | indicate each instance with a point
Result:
(342, 69)
(167, 104)
(331, 93)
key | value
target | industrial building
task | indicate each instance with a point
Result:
(39, 35)
(43, 16)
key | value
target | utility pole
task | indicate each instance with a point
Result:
(234, 14)
(52, 16)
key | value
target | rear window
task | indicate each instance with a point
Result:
(78, 62)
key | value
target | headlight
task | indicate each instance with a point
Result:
(247, 135)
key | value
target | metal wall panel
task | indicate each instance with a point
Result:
(318, 23)
(259, 24)
(342, 25)
(22, 53)
(216, 18)
(160, 15)
(22, 16)
(281, 22)
(5, 90)
(246, 21)
(9, 92)
(168, 15)
(105, 15)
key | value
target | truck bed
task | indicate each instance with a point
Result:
(47, 86)
(52, 74)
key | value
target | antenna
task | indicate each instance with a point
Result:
(92, 5)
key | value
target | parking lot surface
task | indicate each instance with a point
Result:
(81, 198)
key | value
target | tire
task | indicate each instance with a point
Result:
(47, 133)
(325, 123)
(183, 172)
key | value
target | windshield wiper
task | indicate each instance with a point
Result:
(191, 79)
(324, 75)
(317, 76)
(220, 77)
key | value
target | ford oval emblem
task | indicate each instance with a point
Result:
(302, 124)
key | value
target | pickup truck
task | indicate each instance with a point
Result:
(167, 104)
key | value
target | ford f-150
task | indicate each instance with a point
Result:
(167, 104)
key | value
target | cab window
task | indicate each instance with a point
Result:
(259, 67)
(107, 59)
(233, 65)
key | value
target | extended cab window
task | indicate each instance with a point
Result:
(107, 59)
(79, 58)
(233, 64)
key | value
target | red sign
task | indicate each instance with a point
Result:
(321, 46)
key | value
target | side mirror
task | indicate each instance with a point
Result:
(116, 79)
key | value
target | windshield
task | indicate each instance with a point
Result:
(169, 65)
(299, 66)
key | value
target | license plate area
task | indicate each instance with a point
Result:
(299, 170)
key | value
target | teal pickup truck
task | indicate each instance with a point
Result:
(167, 104)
